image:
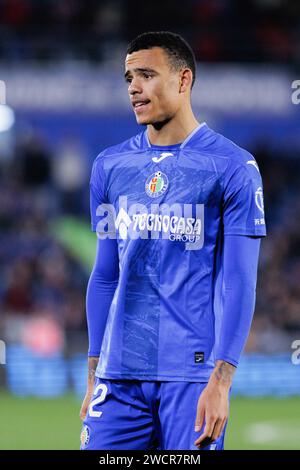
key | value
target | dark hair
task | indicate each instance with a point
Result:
(179, 52)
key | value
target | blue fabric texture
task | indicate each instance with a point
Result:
(138, 415)
(182, 223)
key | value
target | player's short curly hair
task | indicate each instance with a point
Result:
(179, 52)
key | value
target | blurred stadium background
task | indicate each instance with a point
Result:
(61, 66)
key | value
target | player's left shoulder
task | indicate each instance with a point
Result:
(227, 155)
(239, 158)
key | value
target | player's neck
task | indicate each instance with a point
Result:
(173, 132)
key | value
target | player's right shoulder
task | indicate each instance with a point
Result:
(129, 145)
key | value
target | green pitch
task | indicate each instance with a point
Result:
(31, 423)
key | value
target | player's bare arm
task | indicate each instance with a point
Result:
(223, 372)
(92, 366)
(213, 404)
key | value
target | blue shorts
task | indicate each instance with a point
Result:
(143, 415)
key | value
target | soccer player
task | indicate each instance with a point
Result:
(178, 211)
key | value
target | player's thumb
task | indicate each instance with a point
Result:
(199, 418)
(85, 404)
(83, 410)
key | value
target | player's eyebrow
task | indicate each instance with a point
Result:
(140, 70)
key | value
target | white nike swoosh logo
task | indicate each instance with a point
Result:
(162, 157)
(253, 162)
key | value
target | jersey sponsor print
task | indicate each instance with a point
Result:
(169, 209)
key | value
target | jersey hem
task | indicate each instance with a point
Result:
(160, 377)
(252, 233)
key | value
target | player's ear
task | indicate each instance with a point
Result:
(185, 81)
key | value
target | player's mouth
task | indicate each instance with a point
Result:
(140, 106)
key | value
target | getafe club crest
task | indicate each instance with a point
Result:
(156, 184)
(85, 436)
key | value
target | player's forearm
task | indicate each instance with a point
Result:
(240, 272)
(100, 291)
(92, 367)
(222, 374)
(98, 301)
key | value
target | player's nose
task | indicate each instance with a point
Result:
(134, 87)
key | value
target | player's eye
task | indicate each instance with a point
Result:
(128, 79)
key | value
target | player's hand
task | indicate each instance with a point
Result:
(213, 405)
(92, 366)
(213, 410)
(85, 403)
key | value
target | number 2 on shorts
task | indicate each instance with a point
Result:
(96, 401)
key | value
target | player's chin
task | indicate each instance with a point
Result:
(143, 120)
(157, 121)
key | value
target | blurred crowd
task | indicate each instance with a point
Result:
(218, 30)
(42, 286)
(277, 320)
(40, 280)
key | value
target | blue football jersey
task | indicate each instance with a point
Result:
(169, 207)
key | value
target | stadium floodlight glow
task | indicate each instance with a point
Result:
(7, 118)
